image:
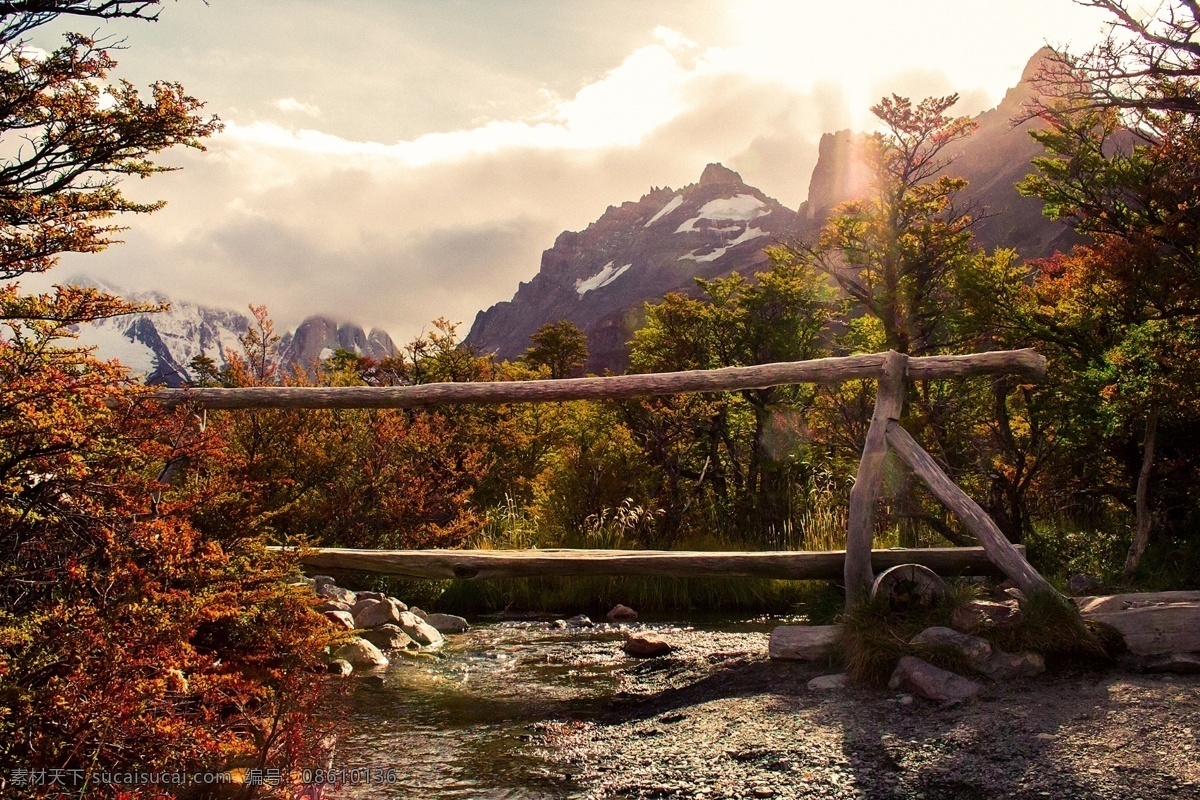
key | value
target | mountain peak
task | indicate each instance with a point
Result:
(716, 173)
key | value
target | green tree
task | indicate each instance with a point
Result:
(894, 251)
(559, 347)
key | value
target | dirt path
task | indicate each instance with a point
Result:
(718, 719)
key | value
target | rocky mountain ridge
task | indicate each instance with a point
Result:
(159, 346)
(601, 277)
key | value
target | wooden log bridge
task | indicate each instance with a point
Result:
(893, 371)
(487, 564)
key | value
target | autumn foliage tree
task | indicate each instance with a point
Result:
(130, 637)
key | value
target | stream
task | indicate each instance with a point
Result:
(455, 724)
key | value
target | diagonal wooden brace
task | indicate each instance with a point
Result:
(1000, 551)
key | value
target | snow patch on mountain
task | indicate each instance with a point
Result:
(601, 279)
(742, 207)
(675, 203)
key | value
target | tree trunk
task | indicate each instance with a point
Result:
(1145, 521)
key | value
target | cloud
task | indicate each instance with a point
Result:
(445, 222)
(291, 104)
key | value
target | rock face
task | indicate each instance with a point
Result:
(646, 645)
(599, 278)
(316, 339)
(804, 642)
(925, 680)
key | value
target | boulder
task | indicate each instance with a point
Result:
(1001, 666)
(317, 580)
(370, 595)
(982, 614)
(361, 604)
(925, 680)
(361, 653)
(340, 666)
(420, 614)
(621, 613)
(1081, 584)
(579, 621)
(646, 645)
(398, 604)
(341, 619)
(332, 605)
(447, 623)
(974, 650)
(824, 683)
(418, 629)
(332, 591)
(377, 613)
(390, 637)
(804, 642)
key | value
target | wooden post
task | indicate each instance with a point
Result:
(864, 496)
(1002, 552)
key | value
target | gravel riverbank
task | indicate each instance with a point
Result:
(718, 719)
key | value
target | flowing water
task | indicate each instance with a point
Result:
(455, 724)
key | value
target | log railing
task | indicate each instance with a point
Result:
(892, 370)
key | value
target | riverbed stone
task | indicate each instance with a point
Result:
(804, 642)
(1001, 666)
(340, 666)
(622, 613)
(646, 645)
(361, 653)
(974, 650)
(419, 630)
(933, 683)
(824, 683)
(340, 619)
(377, 613)
(332, 605)
(580, 621)
(980, 615)
(390, 637)
(447, 623)
(332, 591)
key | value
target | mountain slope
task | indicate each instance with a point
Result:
(638, 251)
(601, 277)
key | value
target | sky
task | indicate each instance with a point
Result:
(390, 162)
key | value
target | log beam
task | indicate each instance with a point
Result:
(864, 495)
(1007, 556)
(486, 564)
(824, 370)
